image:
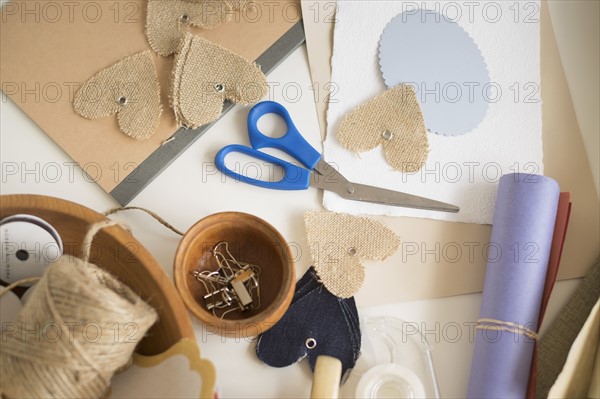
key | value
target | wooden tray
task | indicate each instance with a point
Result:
(117, 251)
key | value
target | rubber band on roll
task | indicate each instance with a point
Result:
(499, 325)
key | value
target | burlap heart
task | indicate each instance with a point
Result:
(394, 120)
(128, 88)
(205, 75)
(168, 20)
(338, 242)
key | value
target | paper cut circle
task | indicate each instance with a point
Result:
(441, 61)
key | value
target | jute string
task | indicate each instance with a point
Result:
(149, 212)
(500, 325)
(74, 332)
(18, 283)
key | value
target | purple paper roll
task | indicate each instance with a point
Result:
(518, 256)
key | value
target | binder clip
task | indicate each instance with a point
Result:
(234, 286)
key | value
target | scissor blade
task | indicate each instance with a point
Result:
(384, 196)
(378, 195)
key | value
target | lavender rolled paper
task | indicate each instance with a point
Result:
(522, 231)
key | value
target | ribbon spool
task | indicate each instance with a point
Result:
(28, 245)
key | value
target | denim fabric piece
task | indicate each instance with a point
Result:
(314, 313)
(309, 282)
(306, 284)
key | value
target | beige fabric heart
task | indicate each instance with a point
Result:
(205, 75)
(338, 242)
(128, 88)
(394, 120)
(168, 20)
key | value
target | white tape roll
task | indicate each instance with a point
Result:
(28, 245)
(390, 381)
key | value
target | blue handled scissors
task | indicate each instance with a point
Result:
(317, 173)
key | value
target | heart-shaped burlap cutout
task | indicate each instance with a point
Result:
(205, 75)
(338, 242)
(129, 89)
(394, 120)
(168, 20)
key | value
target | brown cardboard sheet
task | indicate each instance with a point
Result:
(48, 49)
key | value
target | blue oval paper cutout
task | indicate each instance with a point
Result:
(442, 62)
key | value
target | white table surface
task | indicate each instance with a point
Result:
(189, 190)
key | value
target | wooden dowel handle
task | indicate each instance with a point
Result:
(326, 379)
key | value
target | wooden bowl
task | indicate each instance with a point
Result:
(250, 240)
(117, 251)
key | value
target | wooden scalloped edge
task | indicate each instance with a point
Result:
(191, 351)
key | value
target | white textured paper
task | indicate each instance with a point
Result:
(462, 170)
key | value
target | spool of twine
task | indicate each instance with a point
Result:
(77, 329)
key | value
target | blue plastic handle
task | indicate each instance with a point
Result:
(291, 142)
(294, 177)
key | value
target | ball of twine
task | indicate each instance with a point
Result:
(77, 329)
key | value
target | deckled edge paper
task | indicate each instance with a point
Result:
(461, 170)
